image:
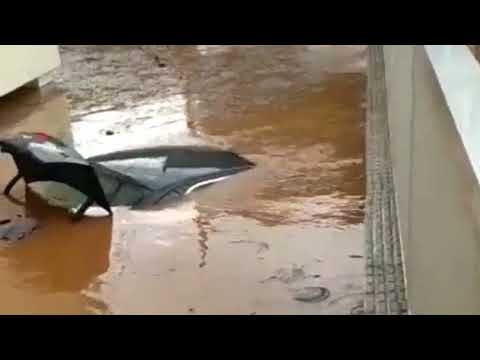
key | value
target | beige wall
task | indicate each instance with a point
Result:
(436, 188)
(20, 64)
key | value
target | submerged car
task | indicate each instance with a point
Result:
(137, 178)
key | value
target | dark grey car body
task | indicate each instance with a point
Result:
(137, 178)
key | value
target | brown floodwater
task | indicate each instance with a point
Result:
(243, 246)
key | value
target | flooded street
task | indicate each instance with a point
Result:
(258, 243)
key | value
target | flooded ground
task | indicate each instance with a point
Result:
(258, 243)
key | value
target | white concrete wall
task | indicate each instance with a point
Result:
(21, 64)
(434, 176)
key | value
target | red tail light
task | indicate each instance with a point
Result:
(41, 137)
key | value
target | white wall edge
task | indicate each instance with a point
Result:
(458, 74)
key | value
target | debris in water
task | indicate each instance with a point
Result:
(6, 221)
(358, 310)
(262, 246)
(311, 294)
(287, 276)
(109, 132)
(346, 296)
(356, 256)
(17, 229)
(159, 62)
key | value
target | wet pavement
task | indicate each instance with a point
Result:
(284, 238)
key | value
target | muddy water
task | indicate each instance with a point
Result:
(245, 246)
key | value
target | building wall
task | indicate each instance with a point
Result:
(436, 186)
(21, 64)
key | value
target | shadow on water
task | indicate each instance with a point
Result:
(62, 256)
(49, 271)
